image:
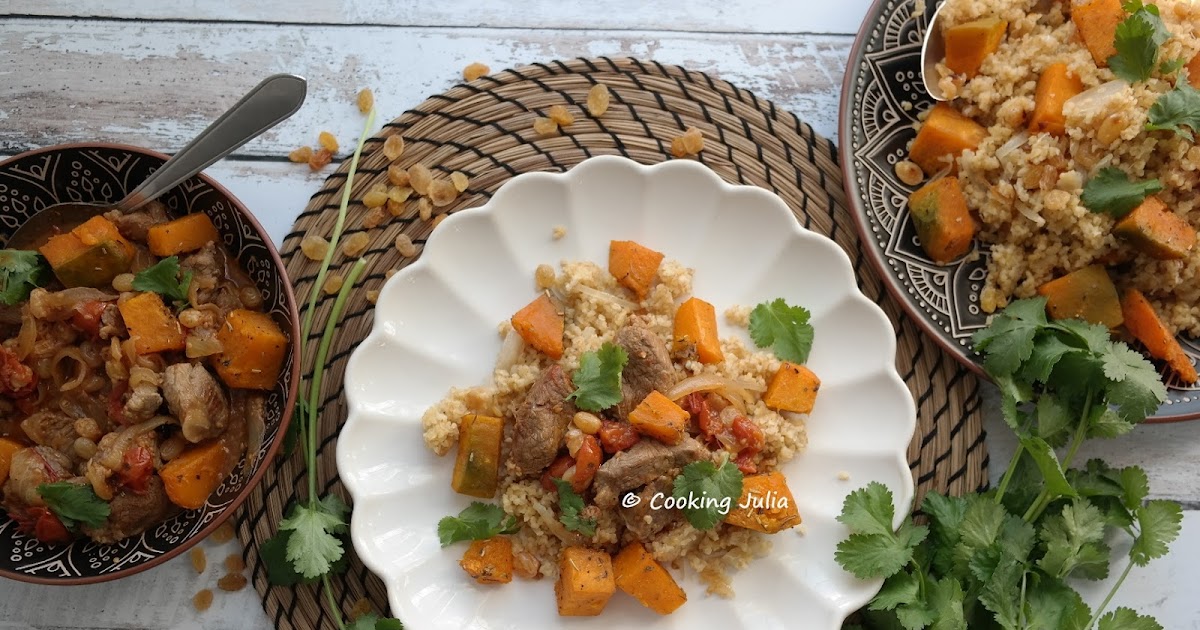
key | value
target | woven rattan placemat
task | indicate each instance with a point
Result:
(485, 129)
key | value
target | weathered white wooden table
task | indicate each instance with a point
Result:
(155, 73)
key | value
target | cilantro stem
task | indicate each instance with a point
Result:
(1008, 474)
(333, 607)
(314, 391)
(1108, 598)
(1044, 499)
(1021, 609)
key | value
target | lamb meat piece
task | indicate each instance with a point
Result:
(642, 463)
(30, 468)
(51, 428)
(541, 421)
(649, 367)
(136, 226)
(143, 403)
(196, 399)
(133, 512)
(111, 323)
(645, 521)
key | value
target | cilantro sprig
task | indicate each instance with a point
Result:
(20, 273)
(478, 521)
(1137, 41)
(164, 279)
(74, 504)
(708, 491)
(598, 379)
(570, 510)
(1003, 558)
(1111, 191)
(1177, 111)
(784, 329)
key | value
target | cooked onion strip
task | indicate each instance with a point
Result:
(28, 335)
(60, 375)
(608, 297)
(1013, 144)
(510, 350)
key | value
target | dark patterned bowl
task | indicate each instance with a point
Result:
(105, 172)
(881, 98)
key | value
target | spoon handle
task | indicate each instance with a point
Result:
(268, 104)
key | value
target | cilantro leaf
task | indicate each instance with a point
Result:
(478, 521)
(868, 510)
(1108, 424)
(1001, 593)
(899, 589)
(314, 546)
(281, 571)
(915, 616)
(598, 379)
(945, 518)
(1135, 386)
(1112, 192)
(1047, 462)
(1177, 110)
(1054, 421)
(711, 489)
(163, 278)
(570, 507)
(1137, 41)
(1074, 539)
(1171, 66)
(1127, 619)
(74, 504)
(20, 273)
(1135, 486)
(784, 328)
(1046, 354)
(1052, 605)
(371, 621)
(870, 556)
(1159, 522)
(946, 602)
(1008, 341)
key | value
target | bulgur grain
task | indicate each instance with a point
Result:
(544, 276)
(559, 232)
(474, 71)
(365, 100)
(301, 155)
(598, 99)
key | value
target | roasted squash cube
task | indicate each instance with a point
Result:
(152, 326)
(766, 504)
(1086, 294)
(477, 465)
(1156, 231)
(185, 234)
(541, 325)
(696, 325)
(8, 448)
(489, 561)
(967, 45)
(633, 265)
(90, 255)
(660, 418)
(640, 575)
(1143, 323)
(585, 582)
(944, 224)
(792, 388)
(943, 137)
(1055, 87)
(1096, 22)
(253, 350)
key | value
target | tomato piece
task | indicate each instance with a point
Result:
(587, 462)
(751, 441)
(136, 467)
(87, 317)
(556, 471)
(116, 402)
(617, 436)
(42, 524)
(17, 380)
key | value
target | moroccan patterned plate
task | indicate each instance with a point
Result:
(106, 172)
(881, 99)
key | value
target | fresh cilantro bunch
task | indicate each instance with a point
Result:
(20, 273)
(1003, 558)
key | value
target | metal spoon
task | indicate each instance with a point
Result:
(933, 50)
(268, 104)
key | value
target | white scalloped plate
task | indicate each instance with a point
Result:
(435, 327)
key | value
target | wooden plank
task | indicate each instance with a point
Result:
(717, 16)
(157, 84)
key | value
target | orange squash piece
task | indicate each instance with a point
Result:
(151, 324)
(1055, 87)
(253, 350)
(8, 448)
(944, 224)
(1144, 324)
(640, 575)
(1086, 294)
(1156, 231)
(1193, 68)
(967, 45)
(633, 265)
(191, 478)
(541, 325)
(769, 506)
(185, 234)
(696, 325)
(943, 137)
(792, 388)
(660, 418)
(585, 582)
(90, 255)
(489, 561)
(1096, 21)
(477, 464)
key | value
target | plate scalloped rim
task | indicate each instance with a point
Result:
(440, 314)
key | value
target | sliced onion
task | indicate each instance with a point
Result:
(1013, 144)
(59, 305)
(202, 342)
(1028, 213)
(550, 522)
(697, 383)
(510, 350)
(1090, 102)
(604, 295)
(28, 335)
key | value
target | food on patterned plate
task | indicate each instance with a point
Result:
(134, 361)
(623, 437)
(1069, 149)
